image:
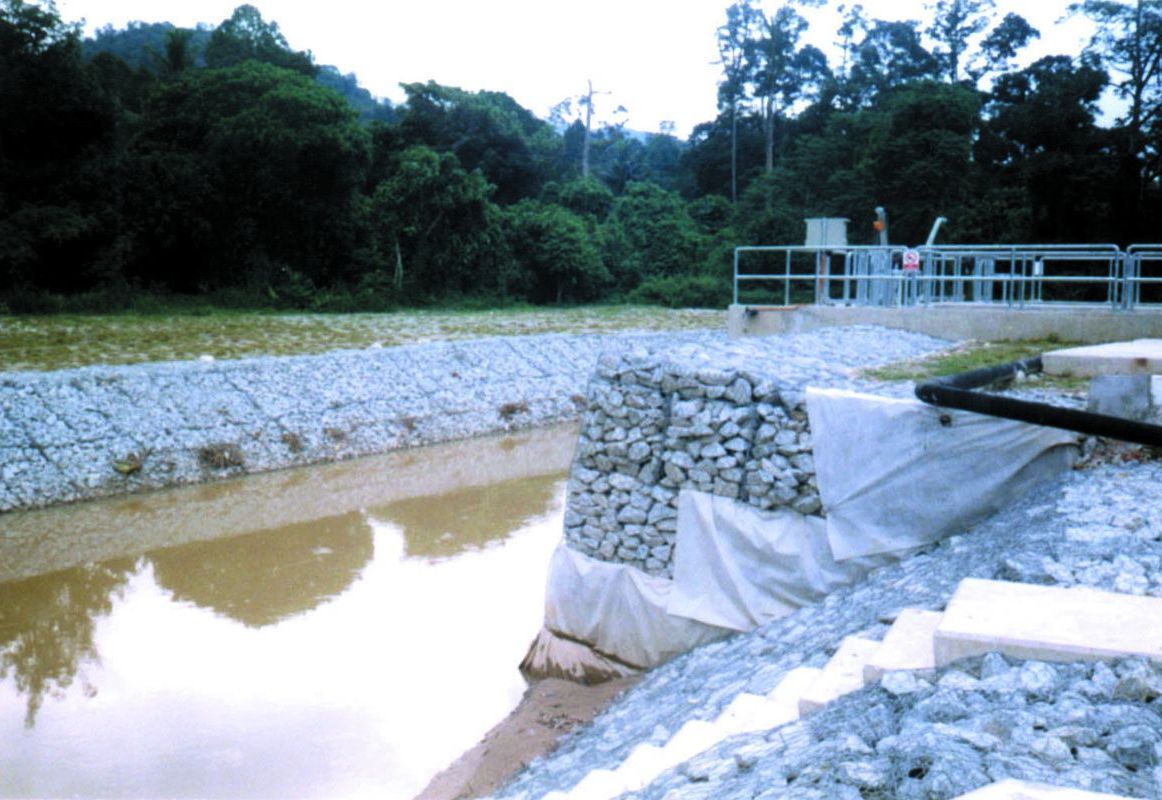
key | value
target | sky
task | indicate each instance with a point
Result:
(655, 58)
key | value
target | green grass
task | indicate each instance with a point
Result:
(75, 340)
(973, 355)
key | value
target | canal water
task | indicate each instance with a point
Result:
(336, 631)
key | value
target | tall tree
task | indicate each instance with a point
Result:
(782, 71)
(246, 36)
(954, 22)
(1129, 42)
(734, 37)
(886, 54)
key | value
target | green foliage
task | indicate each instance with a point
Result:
(649, 233)
(556, 253)
(252, 166)
(683, 291)
(434, 225)
(488, 131)
(246, 36)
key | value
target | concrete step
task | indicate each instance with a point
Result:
(746, 713)
(1140, 356)
(600, 784)
(641, 766)
(842, 674)
(906, 645)
(751, 712)
(1021, 790)
(1048, 623)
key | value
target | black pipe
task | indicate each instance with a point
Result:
(954, 391)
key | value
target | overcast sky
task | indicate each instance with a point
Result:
(654, 57)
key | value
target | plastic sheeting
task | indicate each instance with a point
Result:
(738, 567)
(894, 475)
(897, 474)
(618, 610)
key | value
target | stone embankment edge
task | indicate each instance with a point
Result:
(98, 431)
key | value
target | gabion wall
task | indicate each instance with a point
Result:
(653, 426)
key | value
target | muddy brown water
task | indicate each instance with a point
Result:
(336, 631)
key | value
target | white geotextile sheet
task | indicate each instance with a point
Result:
(895, 474)
(892, 476)
(618, 610)
(738, 567)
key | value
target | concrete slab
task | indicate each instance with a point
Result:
(842, 674)
(794, 684)
(1022, 790)
(641, 766)
(752, 712)
(1136, 357)
(1048, 623)
(600, 784)
(907, 645)
(988, 322)
(690, 740)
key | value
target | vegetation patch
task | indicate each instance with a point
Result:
(974, 355)
(293, 441)
(220, 456)
(79, 340)
(509, 410)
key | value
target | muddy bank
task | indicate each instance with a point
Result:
(97, 431)
(549, 710)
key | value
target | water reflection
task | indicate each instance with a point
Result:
(263, 578)
(467, 518)
(46, 629)
(344, 655)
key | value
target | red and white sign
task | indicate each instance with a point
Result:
(911, 260)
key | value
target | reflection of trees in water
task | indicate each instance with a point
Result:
(47, 624)
(262, 578)
(444, 525)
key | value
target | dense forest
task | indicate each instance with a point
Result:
(164, 162)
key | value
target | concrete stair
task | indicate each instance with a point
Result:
(1021, 620)
(1047, 623)
(842, 675)
(1020, 790)
(906, 645)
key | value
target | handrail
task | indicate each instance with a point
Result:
(1019, 272)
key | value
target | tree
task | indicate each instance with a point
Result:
(1002, 44)
(488, 131)
(432, 222)
(781, 70)
(953, 24)
(1041, 140)
(886, 55)
(55, 121)
(649, 233)
(734, 39)
(556, 251)
(246, 36)
(244, 172)
(1129, 42)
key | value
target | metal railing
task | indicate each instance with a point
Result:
(1013, 275)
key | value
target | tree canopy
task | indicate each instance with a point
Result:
(221, 160)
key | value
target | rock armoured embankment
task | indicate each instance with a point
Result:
(932, 735)
(83, 433)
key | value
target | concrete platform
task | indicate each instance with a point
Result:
(1136, 357)
(1047, 623)
(988, 322)
(1021, 790)
(907, 645)
(842, 674)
